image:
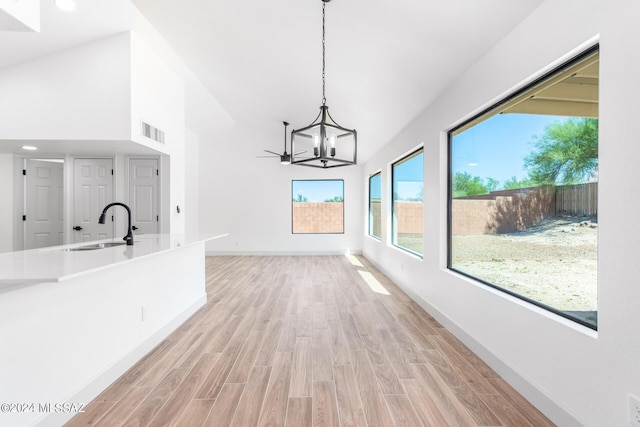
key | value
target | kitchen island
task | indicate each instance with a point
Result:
(72, 319)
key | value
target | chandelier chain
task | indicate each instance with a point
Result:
(324, 96)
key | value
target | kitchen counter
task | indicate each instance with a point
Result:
(72, 322)
(57, 263)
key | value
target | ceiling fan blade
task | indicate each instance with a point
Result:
(264, 157)
(300, 152)
(276, 154)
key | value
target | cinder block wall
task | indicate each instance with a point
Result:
(375, 218)
(409, 216)
(502, 211)
(497, 212)
(318, 217)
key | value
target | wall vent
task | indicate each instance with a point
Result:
(152, 132)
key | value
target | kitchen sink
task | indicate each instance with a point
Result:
(94, 246)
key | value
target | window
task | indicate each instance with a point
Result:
(375, 209)
(407, 177)
(317, 206)
(523, 189)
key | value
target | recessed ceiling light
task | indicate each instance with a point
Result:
(67, 5)
(29, 147)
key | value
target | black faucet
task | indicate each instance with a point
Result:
(129, 237)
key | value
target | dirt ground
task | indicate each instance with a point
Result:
(554, 263)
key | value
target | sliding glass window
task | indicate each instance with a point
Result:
(523, 193)
(375, 208)
(407, 177)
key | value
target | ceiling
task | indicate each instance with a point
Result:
(261, 60)
(573, 93)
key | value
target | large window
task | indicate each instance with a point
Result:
(317, 206)
(523, 187)
(407, 177)
(375, 209)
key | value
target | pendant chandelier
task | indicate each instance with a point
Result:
(329, 145)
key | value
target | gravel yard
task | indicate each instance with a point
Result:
(554, 263)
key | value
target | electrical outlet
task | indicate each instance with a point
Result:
(145, 313)
(634, 411)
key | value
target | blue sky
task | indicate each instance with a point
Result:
(375, 186)
(409, 177)
(317, 191)
(494, 148)
(497, 147)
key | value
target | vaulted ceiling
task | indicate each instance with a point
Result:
(261, 60)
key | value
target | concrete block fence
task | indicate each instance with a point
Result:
(503, 211)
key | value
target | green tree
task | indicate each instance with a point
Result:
(466, 185)
(567, 153)
(514, 183)
(299, 199)
(336, 199)
(492, 184)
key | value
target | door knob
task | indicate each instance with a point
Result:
(77, 228)
(134, 228)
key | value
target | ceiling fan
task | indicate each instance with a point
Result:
(285, 158)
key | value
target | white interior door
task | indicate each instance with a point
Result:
(143, 195)
(92, 191)
(44, 192)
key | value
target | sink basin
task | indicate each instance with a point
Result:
(107, 245)
(94, 246)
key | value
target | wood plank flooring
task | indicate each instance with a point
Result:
(308, 341)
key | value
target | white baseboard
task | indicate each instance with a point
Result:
(101, 381)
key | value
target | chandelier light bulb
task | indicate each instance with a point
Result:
(316, 144)
(332, 141)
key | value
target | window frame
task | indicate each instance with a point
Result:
(413, 153)
(370, 223)
(479, 118)
(343, 206)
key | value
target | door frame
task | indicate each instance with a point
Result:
(127, 185)
(20, 196)
(114, 192)
(53, 205)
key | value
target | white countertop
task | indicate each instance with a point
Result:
(55, 264)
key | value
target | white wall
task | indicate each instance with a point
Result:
(250, 197)
(19, 15)
(6, 195)
(96, 93)
(575, 375)
(192, 183)
(81, 93)
(158, 98)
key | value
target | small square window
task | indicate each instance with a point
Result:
(317, 206)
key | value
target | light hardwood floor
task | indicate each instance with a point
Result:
(308, 341)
